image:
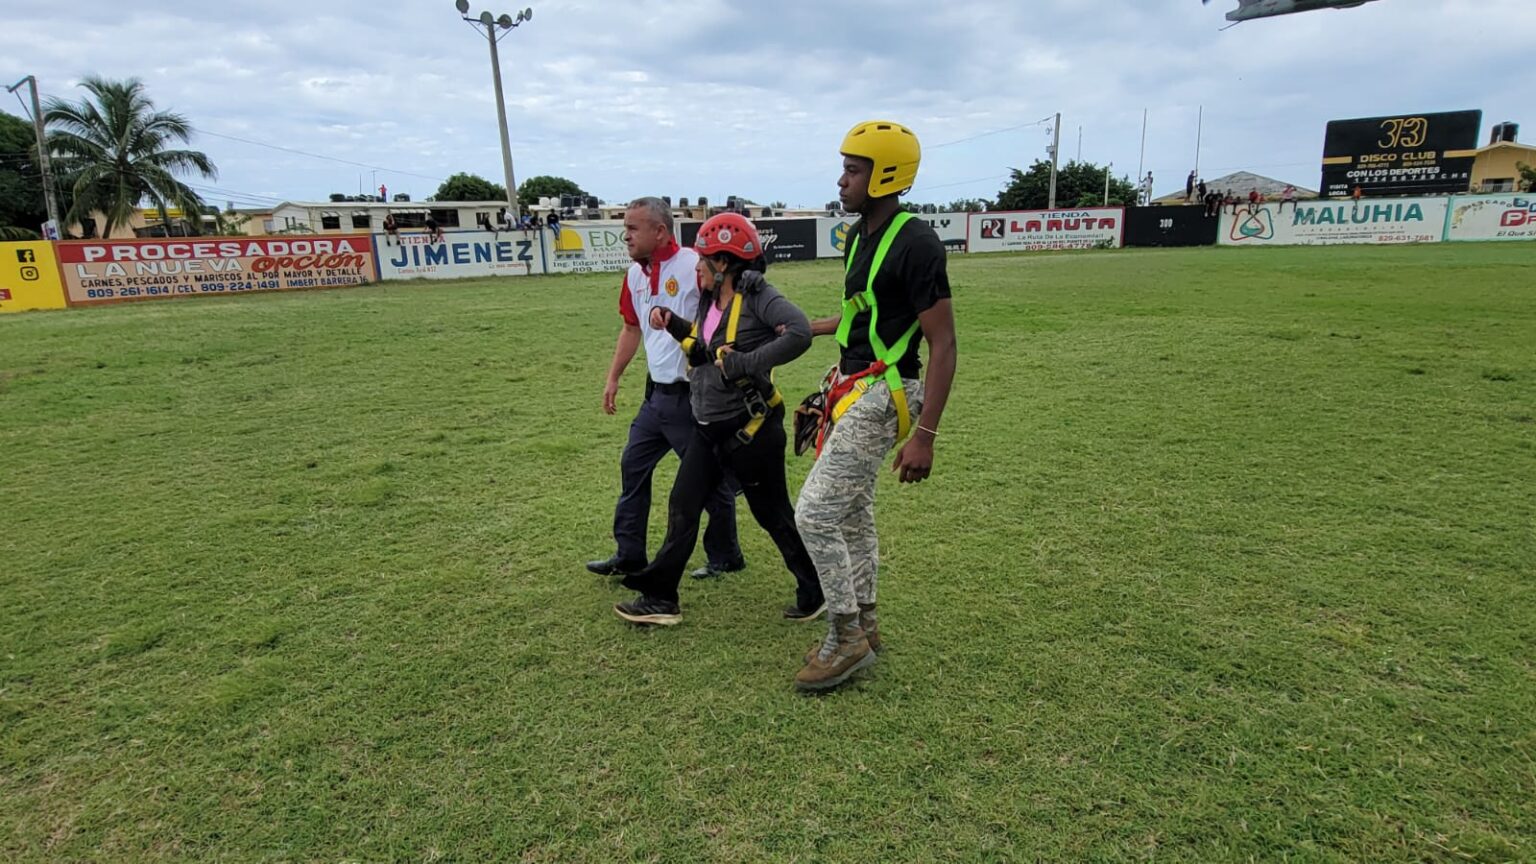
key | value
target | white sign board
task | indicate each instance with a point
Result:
(586, 247)
(1492, 217)
(1038, 230)
(1370, 220)
(832, 232)
(461, 254)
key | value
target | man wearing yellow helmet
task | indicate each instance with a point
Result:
(895, 295)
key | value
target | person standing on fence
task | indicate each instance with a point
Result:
(662, 277)
(1189, 187)
(744, 329)
(895, 295)
(1203, 191)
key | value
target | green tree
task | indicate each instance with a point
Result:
(1078, 184)
(469, 187)
(22, 210)
(115, 150)
(967, 205)
(1527, 177)
(545, 186)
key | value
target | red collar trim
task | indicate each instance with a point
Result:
(660, 256)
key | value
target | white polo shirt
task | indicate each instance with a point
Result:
(674, 286)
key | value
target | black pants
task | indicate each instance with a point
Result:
(665, 425)
(759, 467)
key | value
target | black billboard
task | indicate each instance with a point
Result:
(1417, 154)
(1170, 226)
(783, 239)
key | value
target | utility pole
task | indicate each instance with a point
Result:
(1055, 151)
(49, 198)
(507, 23)
(1199, 132)
(1141, 162)
(1106, 182)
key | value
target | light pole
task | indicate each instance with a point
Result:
(507, 24)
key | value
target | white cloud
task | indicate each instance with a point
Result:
(720, 97)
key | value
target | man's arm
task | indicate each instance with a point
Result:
(915, 460)
(623, 352)
(825, 326)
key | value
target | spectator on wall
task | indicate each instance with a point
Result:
(391, 230)
(1288, 196)
(1189, 187)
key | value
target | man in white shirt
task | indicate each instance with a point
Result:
(663, 275)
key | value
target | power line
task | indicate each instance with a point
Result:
(320, 156)
(962, 183)
(993, 132)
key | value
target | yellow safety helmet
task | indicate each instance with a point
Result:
(894, 150)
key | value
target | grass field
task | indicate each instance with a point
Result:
(1229, 555)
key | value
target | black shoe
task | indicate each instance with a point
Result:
(650, 610)
(794, 613)
(615, 566)
(714, 571)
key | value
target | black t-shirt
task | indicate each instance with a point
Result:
(912, 281)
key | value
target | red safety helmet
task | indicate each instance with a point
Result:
(731, 233)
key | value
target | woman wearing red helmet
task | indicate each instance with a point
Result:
(745, 328)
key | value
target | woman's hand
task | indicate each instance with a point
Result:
(720, 356)
(660, 317)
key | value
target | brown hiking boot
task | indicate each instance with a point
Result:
(844, 652)
(871, 626)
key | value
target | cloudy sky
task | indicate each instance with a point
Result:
(720, 97)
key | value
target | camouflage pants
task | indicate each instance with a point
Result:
(836, 512)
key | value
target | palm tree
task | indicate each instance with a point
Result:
(113, 152)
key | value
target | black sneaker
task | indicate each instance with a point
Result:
(714, 571)
(794, 613)
(650, 610)
(615, 566)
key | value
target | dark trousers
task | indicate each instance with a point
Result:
(665, 424)
(759, 467)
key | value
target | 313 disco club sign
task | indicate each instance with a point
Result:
(460, 254)
(1316, 223)
(1493, 217)
(1037, 230)
(108, 271)
(1422, 154)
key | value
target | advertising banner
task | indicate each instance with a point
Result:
(1493, 217)
(1037, 230)
(29, 277)
(1406, 220)
(1423, 154)
(586, 247)
(461, 254)
(784, 239)
(108, 271)
(1169, 226)
(832, 232)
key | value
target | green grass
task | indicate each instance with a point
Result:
(1229, 555)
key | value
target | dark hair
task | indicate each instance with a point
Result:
(734, 266)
